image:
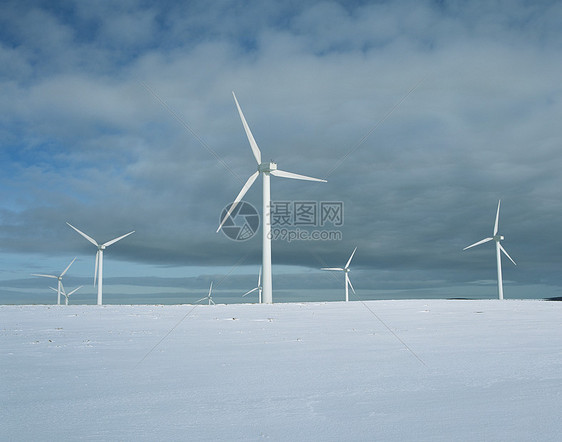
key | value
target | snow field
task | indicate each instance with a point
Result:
(489, 370)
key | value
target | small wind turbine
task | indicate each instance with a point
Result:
(98, 272)
(59, 278)
(497, 238)
(345, 270)
(208, 296)
(259, 288)
(265, 169)
(67, 295)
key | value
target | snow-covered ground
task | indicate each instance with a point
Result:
(487, 370)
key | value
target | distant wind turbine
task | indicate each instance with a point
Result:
(59, 278)
(67, 295)
(259, 288)
(265, 169)
(497, 238)
(208, 297)
(98, 272)
(345, 270)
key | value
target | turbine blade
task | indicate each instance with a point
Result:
(507, 254)
(251, 291)
(113, 241)
(211, 301)
(239, 197)
(350, 258)
(496, 224)
(332, 268)
(45, 276)
(351, 285)
(255, 149)
(200, 300)
(96, 268)
(259, 278)
(75, 290)
(210, 290)
(478, 243)
(295, 176)
(56, 290)
(84, 235)
(65, 270)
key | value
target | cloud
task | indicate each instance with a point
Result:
(85, 141)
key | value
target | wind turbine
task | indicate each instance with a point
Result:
(259, 288)
(59, 278)
(67, 295)
(98, 272)
(265, 169)
(346, 270)
(208, 296)
(497, 238)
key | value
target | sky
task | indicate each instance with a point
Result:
(421, 115)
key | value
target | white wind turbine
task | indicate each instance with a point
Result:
(345, 270)
(266, 169)
(98, 272)
(499, 248)
(59, 278)
(208, 296)
(67, 295)
(259, 288)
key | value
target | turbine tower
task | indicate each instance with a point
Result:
(259, 288)
(98, 272)
(59, 278)
(346, 270)
(266, 169)
(499, 248)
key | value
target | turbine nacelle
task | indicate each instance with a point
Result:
(499, 237)
(267, 167)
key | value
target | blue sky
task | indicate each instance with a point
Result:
(461, 102)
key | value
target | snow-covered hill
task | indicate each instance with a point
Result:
(442, 370)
